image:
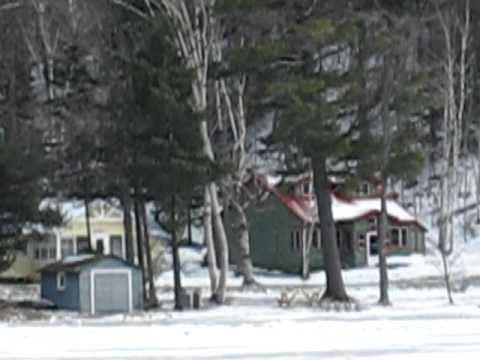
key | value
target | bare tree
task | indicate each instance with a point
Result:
(455, 24)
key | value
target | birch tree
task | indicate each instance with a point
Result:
(454, 20)
(194, 34)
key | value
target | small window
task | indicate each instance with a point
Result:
(364, 188)
(399, 237)
(82, 245)
(37, 253)
(116, 245)
(295, 240)
(61, 281)
(404, 236)
(67, 247)
(395, 237)
(348, 240)
(306, 188)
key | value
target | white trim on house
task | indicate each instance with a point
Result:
(58, 242)
(75, 245)
(94, 272)
(124, 247)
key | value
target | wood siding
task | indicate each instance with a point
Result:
(270, 228)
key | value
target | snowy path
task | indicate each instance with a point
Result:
(246, 332)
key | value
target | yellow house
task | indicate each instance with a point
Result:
(106, 228)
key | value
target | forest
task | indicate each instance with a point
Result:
(187, 111)
(186, 104)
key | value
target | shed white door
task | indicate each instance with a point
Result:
(111, 290)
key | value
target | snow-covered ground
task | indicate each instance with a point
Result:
(402, 269)
(419, 325)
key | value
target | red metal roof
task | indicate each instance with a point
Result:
(305, 211)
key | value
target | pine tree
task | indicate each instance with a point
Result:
(24, 169)
(388, 112)
(163, 154)
(299, 78)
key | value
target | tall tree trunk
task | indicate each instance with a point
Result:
(152, 296)
(335, 290)
(177, 278)
(306, 246)
(445, 227)
(127, 223)
(222, 243)
(382, 254)
(189, 226)
(139, 238)
(87, 222)
(447, 277)
(209, 242)
(243, 237)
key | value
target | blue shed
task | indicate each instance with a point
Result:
(93, 284)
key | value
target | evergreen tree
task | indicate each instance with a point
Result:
(390, 103)
(163, 158)
(301, 78)
(23, 174)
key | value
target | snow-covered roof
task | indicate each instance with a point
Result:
(77, 263)
(75, 209)
(348, 210)
(77, 258)
(345, 209)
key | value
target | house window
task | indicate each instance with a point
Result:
(339, 239)
(404, 236)
(296, 240)
(306, 188)
(398, 237)
(348, 240)
(61, 280)
(82, 245)
(364, 188)
(67, 247)
(317, 239)
(45, 249)
(116, 245)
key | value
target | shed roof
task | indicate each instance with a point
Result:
(79, 262)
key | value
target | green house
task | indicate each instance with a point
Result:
(278, 230)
